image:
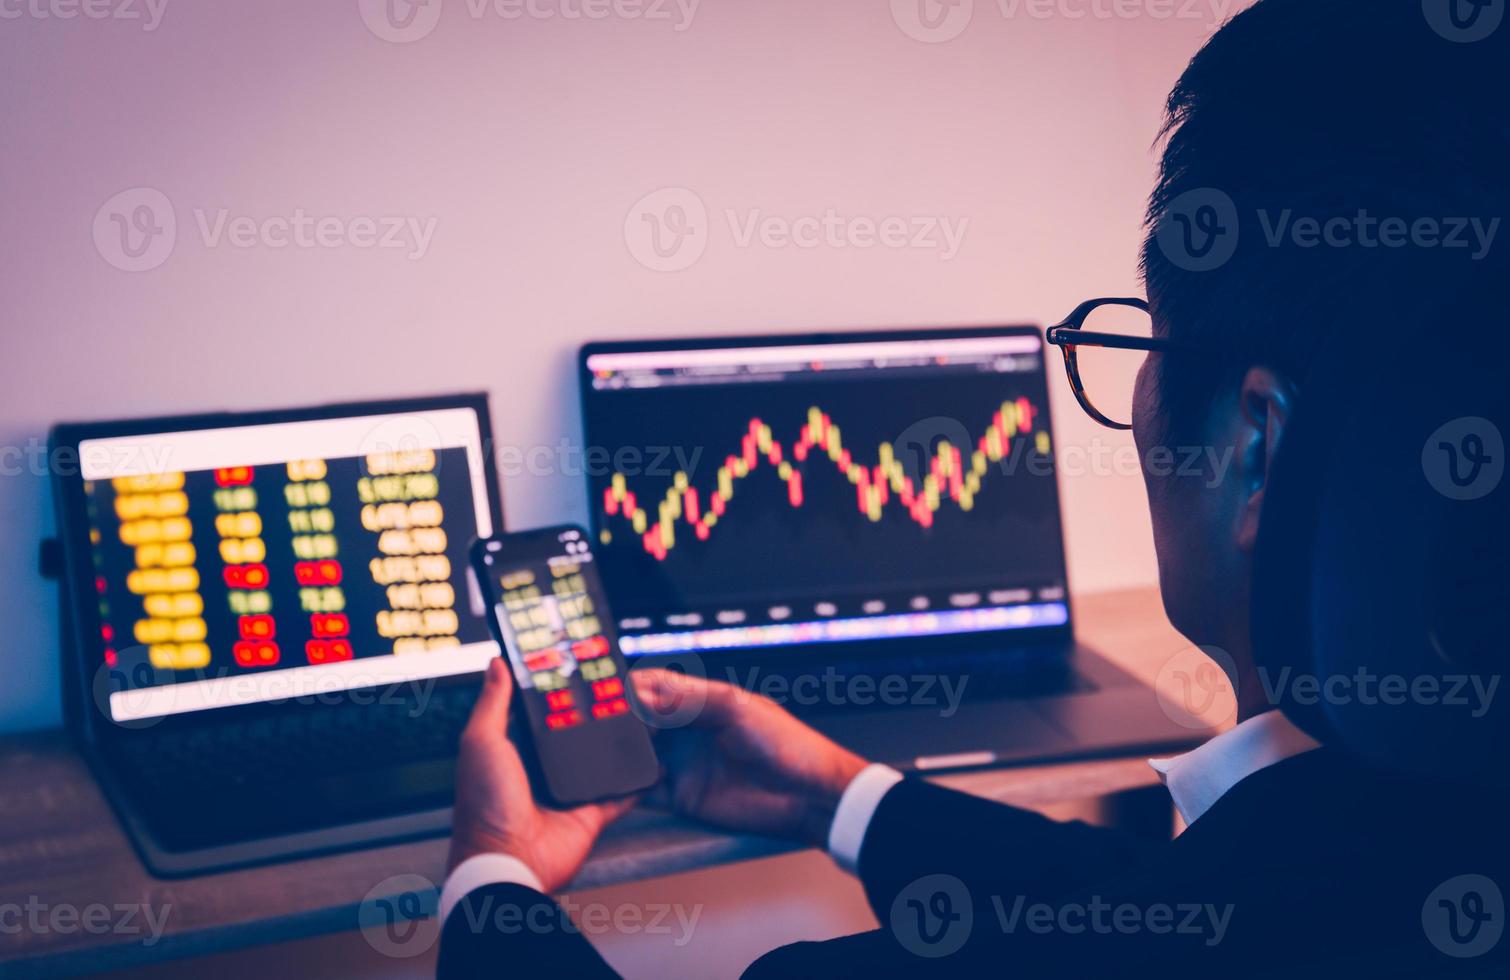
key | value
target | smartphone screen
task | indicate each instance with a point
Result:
(550, 615)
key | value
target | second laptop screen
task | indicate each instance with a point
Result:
(781, 495)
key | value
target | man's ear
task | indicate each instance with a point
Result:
(1265, 401)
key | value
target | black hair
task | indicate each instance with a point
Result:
(1295, 109)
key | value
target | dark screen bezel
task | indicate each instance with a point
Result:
(558, 766)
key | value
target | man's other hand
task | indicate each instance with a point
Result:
(744, 762)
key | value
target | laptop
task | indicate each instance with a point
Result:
(865, 527)
(272, 645)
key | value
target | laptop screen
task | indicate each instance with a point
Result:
(247, 563)
(777, 493)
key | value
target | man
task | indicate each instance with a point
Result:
(1361, 116)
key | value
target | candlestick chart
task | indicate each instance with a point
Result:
(737, 493)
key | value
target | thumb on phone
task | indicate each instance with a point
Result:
(492, 709)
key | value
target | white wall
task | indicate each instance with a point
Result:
(528, 141)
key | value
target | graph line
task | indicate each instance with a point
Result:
(951, 477)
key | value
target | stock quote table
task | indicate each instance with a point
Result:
(241, 570)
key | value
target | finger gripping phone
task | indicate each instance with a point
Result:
(574, 717)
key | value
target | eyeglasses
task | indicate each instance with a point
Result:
(1104, 342)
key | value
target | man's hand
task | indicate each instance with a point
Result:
(743, 762)
(495, 811)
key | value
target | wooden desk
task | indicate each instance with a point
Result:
(63, 854)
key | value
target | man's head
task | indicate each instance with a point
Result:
(1328, 165)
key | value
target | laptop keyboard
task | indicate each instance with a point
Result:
(335, 740)
(344, 739)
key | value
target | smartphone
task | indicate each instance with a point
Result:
(574, 716)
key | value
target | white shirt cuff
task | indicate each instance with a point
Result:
(856, 807)
(479, 871)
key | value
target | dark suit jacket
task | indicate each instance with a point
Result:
(1312, 867)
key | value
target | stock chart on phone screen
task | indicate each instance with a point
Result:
(796, 494)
